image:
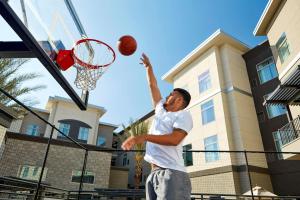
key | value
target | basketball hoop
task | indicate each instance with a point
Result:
(91, 59)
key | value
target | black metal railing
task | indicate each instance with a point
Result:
(290, 131)
(241, 165)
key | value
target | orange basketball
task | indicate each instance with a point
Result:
(127, 45)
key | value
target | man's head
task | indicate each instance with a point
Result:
(178, 99)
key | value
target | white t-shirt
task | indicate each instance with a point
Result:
(163, 123)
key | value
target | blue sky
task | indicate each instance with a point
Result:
(165, 30)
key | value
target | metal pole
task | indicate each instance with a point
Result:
(249, 176)
(82, 173)
(44, 164)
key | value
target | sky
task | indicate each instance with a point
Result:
(165, 30)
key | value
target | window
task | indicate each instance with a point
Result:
(274, 110)
(187, 156)
(278, 143)
(88, 177)
(83, 133)
(31, 172)
(101, 141)
(266, 70)
(283, 48)
(65, 128)
(211, 144)
(32, 129)
(204, 82)
(207, 112)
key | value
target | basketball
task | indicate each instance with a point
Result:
(127, 45)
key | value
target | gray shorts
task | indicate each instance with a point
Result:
(168, 184)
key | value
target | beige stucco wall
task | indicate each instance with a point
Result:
(65, 110)
(31, 119)
(235, 122)
(2, 140)
(118, 178)
(15, 125)
(107, 132)
(286, 20)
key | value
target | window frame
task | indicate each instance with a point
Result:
(87, 133)
(279, 44)
(207, 154)
(186, 154)
(268, 65)
(204, 110)
(83, 180)
(102, 145)
(63, 128)
(34, 130)
(268, 106)
(203, 77)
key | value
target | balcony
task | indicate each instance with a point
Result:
(290, 140)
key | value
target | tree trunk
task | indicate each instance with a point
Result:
(138, 169)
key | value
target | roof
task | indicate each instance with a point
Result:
(266, 17)
(58, 98)
(8, 111)
(217, 38)
(108, 124)
(39, 110)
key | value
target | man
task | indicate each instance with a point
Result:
(168, 179)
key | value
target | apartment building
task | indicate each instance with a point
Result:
(280, 22)
(263, 77)
(27, 138)
(224, 116)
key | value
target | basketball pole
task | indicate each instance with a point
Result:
(85, 96)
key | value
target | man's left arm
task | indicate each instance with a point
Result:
(172, 139)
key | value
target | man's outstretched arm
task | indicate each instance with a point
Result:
(155, 92)
(172, 139)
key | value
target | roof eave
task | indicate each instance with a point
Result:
(212, 40)
(266, 17)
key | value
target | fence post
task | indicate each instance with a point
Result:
(43, 167)
(248, 172)
(82, 173)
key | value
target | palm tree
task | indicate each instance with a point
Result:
(12, 82)
(136, 128)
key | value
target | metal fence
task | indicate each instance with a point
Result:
(214, 174)
(290, 131)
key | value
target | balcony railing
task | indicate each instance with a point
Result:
(290, 131)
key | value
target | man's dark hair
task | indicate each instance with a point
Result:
(185, 94)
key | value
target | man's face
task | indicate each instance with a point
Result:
(173, 98)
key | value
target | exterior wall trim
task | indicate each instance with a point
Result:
(229, 168)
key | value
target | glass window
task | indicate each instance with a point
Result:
(83, 133)
(88, 177)
(275, 110)
(278, 143)
(204, 82)
(187, 156)
(283, 48)
(266, 70)
(207, 112)
(31, 172)
(211, 144)
(101, 141)
(65, 128)
(32, 129)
